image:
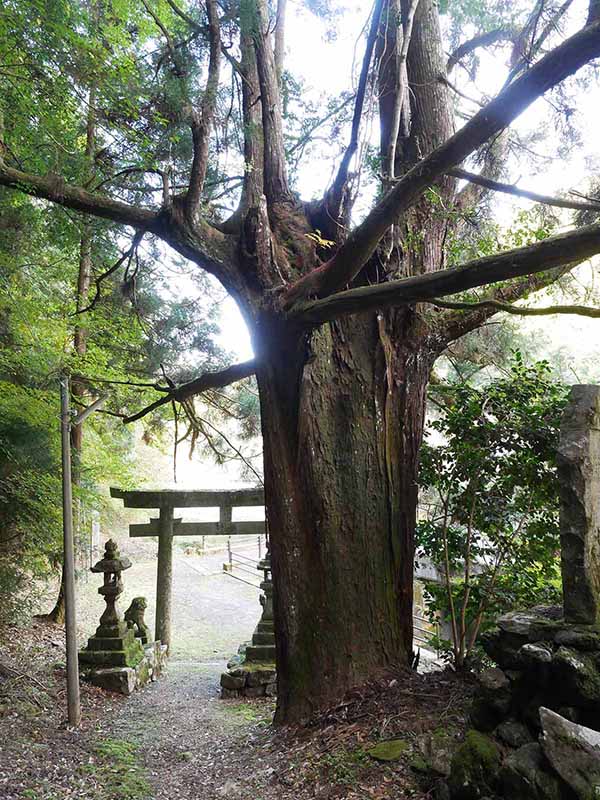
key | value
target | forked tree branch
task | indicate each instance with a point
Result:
(275, 172)
(401, 107)
(201, 120)
(209, 380)
(555, 251)
(334, 197)
(362, 242)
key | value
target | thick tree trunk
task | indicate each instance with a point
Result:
(342, 416)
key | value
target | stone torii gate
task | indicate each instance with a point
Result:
(165, 526)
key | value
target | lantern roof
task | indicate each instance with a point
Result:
(112, 561)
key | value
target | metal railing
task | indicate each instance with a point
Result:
(239, 563)
(424, 630)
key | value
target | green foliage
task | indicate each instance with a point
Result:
(344, 766)
(125, 342)
(481, 237)
(490, 482)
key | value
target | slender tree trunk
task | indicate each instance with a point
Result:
(84, 277)
(342, 418)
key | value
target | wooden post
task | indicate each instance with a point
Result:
(164, 576)
(73, 702)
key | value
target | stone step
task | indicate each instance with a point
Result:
(262, 652)
(264, 638)
(266, 626)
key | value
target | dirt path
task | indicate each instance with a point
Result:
(196, 746)
(177, 740)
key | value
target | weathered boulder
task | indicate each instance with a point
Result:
(261, 677)
(230, 681)
(525, 775)
(474, 768)
(534, 624)
(536, 653)
(576, 677)
(574, 753)
(115, 679)
(483, 715)
(579, 637)
(506, 643)
(493, 701)
(390, 750)
(435, 753)
(513, 733)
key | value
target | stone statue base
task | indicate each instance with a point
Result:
(112, 646)
(251, 673)
(126, 679)
(119, 656)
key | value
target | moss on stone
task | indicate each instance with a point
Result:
(257, 666)
(419, 764)
(134, 653)
(391, 750)
(474, 767)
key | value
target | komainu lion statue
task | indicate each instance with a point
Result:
(134, 617)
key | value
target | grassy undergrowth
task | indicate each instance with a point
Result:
(118, 773)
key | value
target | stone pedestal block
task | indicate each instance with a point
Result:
(579, 475)
(126, 680)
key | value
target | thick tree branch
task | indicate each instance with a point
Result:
(126, 256)
(201, 121)
(550, 70)
(482, 40)
(165, 32)
(509, 188)
(401, 108)
(452, 324)
(556, 251)
(209, 380)
(280, 37)
(275, 173)
(184, 16)
(53, 187)
(523, 311)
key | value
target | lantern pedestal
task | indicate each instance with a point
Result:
(115, 657)
(252, 672)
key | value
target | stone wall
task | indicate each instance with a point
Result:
(536, 716)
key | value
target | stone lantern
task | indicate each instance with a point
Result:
(262, 647)
(114, 644)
